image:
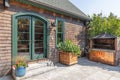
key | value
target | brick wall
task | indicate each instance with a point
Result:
(74, 31)
(5, 40)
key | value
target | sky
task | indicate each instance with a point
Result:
(98, 6)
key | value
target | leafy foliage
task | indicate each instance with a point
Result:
(68, 46)
(100, 24)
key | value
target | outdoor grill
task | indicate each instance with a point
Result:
(105, 48)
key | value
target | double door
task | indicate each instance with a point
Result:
(31, 37)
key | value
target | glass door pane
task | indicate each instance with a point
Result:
(39, 37)
(23, 35)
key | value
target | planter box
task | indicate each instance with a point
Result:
(68, 58)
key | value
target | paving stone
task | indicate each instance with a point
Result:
(114, 78)
(117, 74)
(98, 76)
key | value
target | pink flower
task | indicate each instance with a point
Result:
(14, 66)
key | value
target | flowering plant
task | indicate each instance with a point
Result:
(20, 61)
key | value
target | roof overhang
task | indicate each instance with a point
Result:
(54, 9)
(104, 36)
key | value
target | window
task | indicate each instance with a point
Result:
(59, 31)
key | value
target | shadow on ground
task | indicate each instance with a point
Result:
(87, 62)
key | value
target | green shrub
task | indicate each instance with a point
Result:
(69, 46)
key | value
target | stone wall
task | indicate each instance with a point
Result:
(74, 30)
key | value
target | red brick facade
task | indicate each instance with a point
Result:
(74, 30)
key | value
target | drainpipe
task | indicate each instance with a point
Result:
(6, 3)
(86, 24)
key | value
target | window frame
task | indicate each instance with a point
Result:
(63, 29)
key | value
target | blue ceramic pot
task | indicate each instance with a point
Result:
(20, 71)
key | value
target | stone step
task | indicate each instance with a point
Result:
(39, 65)
(35, 72)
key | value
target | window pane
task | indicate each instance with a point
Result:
(39, 23)
(23, 25)
(23, 36)
(23, 46)
(60, 24)
(39, 50)
(39, 44)
(38, 29)
(59, 38)
(39, 37)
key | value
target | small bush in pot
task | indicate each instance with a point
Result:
(20, 66)
(69, 52)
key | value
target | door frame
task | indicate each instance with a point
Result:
(14, 32)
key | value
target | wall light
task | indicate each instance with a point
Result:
(53, 24)
(6, 3)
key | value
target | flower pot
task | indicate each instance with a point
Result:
(20, 71)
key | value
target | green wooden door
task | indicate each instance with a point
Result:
(31, 37)
(23, 40)
(38, 38)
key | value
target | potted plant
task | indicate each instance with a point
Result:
(20, 66)
(69, 52)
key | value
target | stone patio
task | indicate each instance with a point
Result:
(84, 70)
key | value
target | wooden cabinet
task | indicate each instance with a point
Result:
(104, 56)
(105, 48)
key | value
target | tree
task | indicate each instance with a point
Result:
(101, 24)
